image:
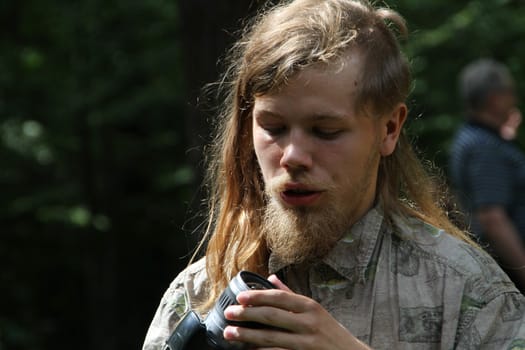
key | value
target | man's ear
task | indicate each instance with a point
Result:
(391, 126)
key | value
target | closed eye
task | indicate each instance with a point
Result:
(274, 130)
(326, 133)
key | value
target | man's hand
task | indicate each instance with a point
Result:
(302, 323)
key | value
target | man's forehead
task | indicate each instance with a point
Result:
(350, 59)
(265, 106)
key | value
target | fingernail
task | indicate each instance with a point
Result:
(231, 311)
(231, 332)
(242, 296)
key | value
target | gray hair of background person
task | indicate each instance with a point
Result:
(481, 78)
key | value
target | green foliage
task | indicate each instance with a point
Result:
(93, 162)
(445, 36)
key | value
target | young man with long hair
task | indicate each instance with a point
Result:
(311, 179)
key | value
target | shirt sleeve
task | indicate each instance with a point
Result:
(186, 291)
(497, 325)
(489, 175)
(172, 307)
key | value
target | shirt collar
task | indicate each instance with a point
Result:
(476, 124)
(354, 251)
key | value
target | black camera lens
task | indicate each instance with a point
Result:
(215, 322)
(255, 285)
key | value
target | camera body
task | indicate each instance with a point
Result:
(192, 333)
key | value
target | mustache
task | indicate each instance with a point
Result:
(278, 184)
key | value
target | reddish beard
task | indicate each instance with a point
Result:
(302, 234)
(299, 234)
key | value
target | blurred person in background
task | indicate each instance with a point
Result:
(487, 169)
(314, 184)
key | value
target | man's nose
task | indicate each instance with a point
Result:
(297, 153)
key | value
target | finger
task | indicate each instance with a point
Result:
(269, 316)
(278, 298)
(262, 338)
(277, 282)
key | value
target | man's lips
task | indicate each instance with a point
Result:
(298, 195)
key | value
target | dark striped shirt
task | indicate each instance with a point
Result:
(487, 170)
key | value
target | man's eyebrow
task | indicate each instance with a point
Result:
(266, 112)
(318, 116)
(329, 116)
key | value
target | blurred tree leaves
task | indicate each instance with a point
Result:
(445, 36)
(93, 170)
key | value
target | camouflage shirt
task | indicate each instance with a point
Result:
(404, 285)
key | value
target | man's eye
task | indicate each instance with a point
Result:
(274, 130)
(327, 134)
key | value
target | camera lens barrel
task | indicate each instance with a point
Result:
(216, 322)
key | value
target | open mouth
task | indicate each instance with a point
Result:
(300, 197)
(298, 193)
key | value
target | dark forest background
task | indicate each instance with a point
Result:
(101, 133)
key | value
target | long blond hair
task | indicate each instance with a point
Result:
(281, 41)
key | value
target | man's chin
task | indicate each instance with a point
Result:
(300, 234)
(300, 211)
